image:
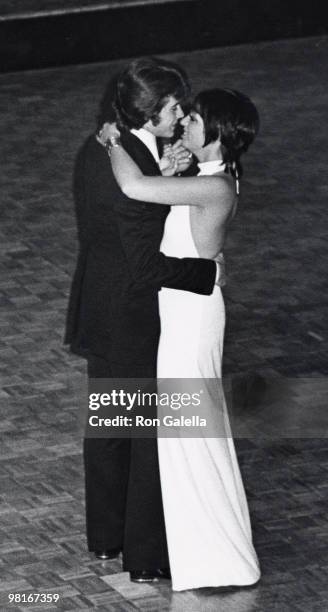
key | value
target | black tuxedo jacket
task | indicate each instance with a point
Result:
(113, 307)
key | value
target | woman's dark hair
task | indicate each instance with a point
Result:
(143, 88)
(232, 116)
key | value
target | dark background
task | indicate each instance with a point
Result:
(121, 30)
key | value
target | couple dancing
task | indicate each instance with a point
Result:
(178, 505)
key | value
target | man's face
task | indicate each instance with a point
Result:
(168, 118)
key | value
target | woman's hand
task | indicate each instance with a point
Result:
(107, 133)
(168, 164)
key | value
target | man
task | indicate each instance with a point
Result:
(113, 314)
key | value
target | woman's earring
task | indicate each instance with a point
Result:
(236, 175)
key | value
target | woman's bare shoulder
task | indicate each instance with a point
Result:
(223, 190)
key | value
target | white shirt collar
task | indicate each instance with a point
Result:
(149, 141)
(211, 167)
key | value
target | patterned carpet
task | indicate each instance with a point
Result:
(277, 307)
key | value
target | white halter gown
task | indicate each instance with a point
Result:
(206, 514)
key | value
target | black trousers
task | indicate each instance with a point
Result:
(123, 492)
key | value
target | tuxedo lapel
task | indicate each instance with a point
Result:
(140, 154)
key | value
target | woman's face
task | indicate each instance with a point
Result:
(194, 132)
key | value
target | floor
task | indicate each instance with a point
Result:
(275, 356)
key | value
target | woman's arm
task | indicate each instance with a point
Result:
(203, 191)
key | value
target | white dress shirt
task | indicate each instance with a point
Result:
(149, 141)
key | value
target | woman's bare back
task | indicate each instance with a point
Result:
(209, 223)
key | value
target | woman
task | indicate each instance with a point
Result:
(205, 507)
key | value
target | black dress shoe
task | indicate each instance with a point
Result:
(150, 575)
(105, 555)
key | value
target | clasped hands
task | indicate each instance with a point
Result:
(176, 158)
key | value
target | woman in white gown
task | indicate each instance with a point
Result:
(205, 507)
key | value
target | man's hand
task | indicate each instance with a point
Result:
(176, 158)
(221, 278)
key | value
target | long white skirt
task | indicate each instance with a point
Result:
(206, 514)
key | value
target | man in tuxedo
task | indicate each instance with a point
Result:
(113, 316)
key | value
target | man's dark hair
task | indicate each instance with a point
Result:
(143, 88)
(107, 112)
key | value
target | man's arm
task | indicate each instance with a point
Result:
(141, 236)
(150, 267)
